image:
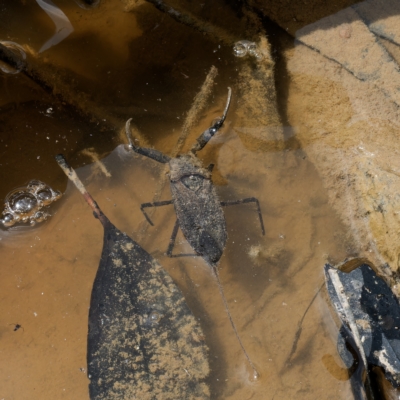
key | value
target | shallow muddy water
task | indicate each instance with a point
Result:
(128, 60)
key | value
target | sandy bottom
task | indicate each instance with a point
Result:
(47, 274)
(47, 271)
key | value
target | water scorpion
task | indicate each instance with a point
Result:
(198, 209)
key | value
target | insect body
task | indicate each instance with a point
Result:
(199, 211)
(17, 327)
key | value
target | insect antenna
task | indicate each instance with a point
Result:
(221, 290)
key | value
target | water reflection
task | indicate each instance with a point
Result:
(61, 21)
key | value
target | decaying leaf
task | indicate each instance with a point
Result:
(143, 341)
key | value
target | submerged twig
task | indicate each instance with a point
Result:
(71, 174)
(300, 329)
(95, 158)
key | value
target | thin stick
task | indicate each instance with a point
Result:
(221, 290)
(300, 328)
(95, 158)
(71, 174)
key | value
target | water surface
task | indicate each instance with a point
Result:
(145, 65)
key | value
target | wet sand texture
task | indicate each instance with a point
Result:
(257, 104)
(348, 123)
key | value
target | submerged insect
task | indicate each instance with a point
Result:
(143, 341)
(17, 327)
(199, 211)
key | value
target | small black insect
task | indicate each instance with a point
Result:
(198, 210)
(17, 327)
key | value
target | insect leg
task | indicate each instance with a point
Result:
(155, 204)
(204, 138)
(248, 200)
(172, 239)
(172, 243)
(151, 153)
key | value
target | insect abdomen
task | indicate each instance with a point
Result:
(201, 219)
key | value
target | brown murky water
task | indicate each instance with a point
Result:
(143, 64)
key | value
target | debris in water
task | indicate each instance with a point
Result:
(244, 47)
(143, 340)
(62, 24)
(29, 204)
(17, 327)
(370, 315)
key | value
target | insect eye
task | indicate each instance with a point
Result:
(193, 182)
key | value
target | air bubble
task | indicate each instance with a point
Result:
(8, 220)
(154, 316)
(240, 49)
(244, 47)
(44, 195)
(38, 217)
(22, 202)
(28, 204)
